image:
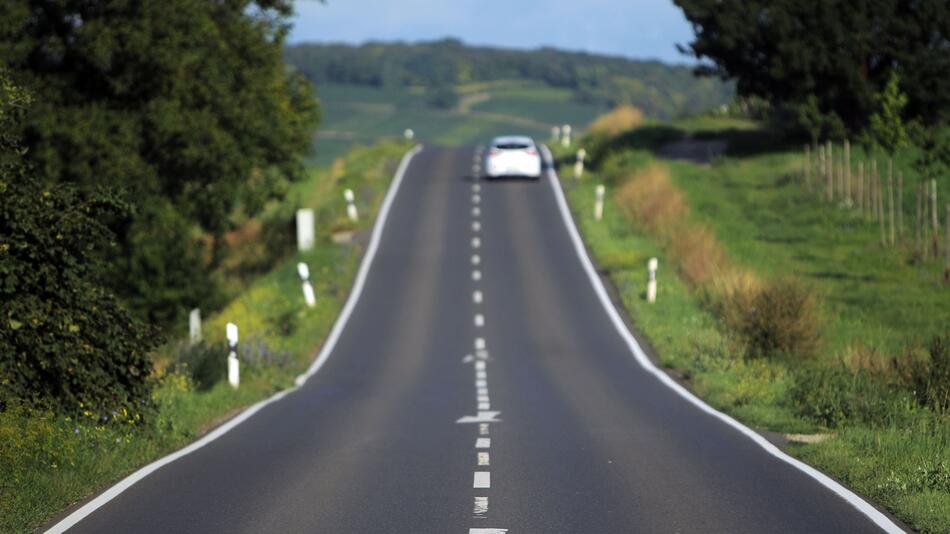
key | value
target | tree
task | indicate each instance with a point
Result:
(886, 131)
(840, 51)
(65, 340)
(182, 104)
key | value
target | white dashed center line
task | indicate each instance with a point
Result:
(479, 320)
(476, 211)
(476, 242)
(477, 297)
(481, 506)
(476, 259)
(484, 459)
(476, 198)
(483, 443)
(476, 226)
(476, 275)
(482, 480)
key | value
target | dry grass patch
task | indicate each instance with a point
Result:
(620, 119)
(651, 199)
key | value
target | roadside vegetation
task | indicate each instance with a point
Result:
(51, 458)
(778, 307)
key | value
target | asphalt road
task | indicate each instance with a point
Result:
(477, 308)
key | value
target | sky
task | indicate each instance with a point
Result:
(644, 29)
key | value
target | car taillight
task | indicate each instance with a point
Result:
(531, 152)
(494, 152)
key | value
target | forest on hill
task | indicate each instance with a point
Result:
(660, 90)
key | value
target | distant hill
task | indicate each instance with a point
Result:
(660, 90)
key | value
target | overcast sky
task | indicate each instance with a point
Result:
(633, 28)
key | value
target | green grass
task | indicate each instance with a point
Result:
(876, 298)
(48, 462)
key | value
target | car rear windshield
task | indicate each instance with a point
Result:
(512, 146)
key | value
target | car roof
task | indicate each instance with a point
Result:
(506, 139)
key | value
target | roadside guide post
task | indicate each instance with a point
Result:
(566, 135)
(194, 326)
(304, 230)
(651, 280)
(599, 203)
(234, 371)
(556, 133)
(409, 134)
(579, 164)
(350, 206)
(308, 295)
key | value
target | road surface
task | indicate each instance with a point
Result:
(479, 386)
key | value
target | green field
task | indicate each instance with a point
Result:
(362, 115)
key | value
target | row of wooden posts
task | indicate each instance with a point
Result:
(828, 171)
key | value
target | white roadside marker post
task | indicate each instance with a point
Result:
(194, 326)
(308, 295)
(651, 280)
(234, 371)
(304, 230)
(556, 133)
(566, 135)
(409, 134)
(599, 203)
(350, 206)
(579, 164)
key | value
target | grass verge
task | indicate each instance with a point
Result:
(48, 462)
(758, 227)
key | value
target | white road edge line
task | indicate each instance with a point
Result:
(127, 482)
(863, 506)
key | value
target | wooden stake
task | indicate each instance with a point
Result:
(900, 206)
(829, 173)
(807, 166)
(946, 251)
(860, 188)
(880, 208)
(925, 220)
(933, 217)
(917, 224)
(890, 199)
(847, 173)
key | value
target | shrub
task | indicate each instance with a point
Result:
(65, 340)
(775, 318)
(204, 362)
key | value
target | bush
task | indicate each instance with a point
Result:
(65, 340)
(206, 363)
(779, 318)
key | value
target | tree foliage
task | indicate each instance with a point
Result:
(65, 340)
(184, 106)
(840, 51)
(886, 130)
